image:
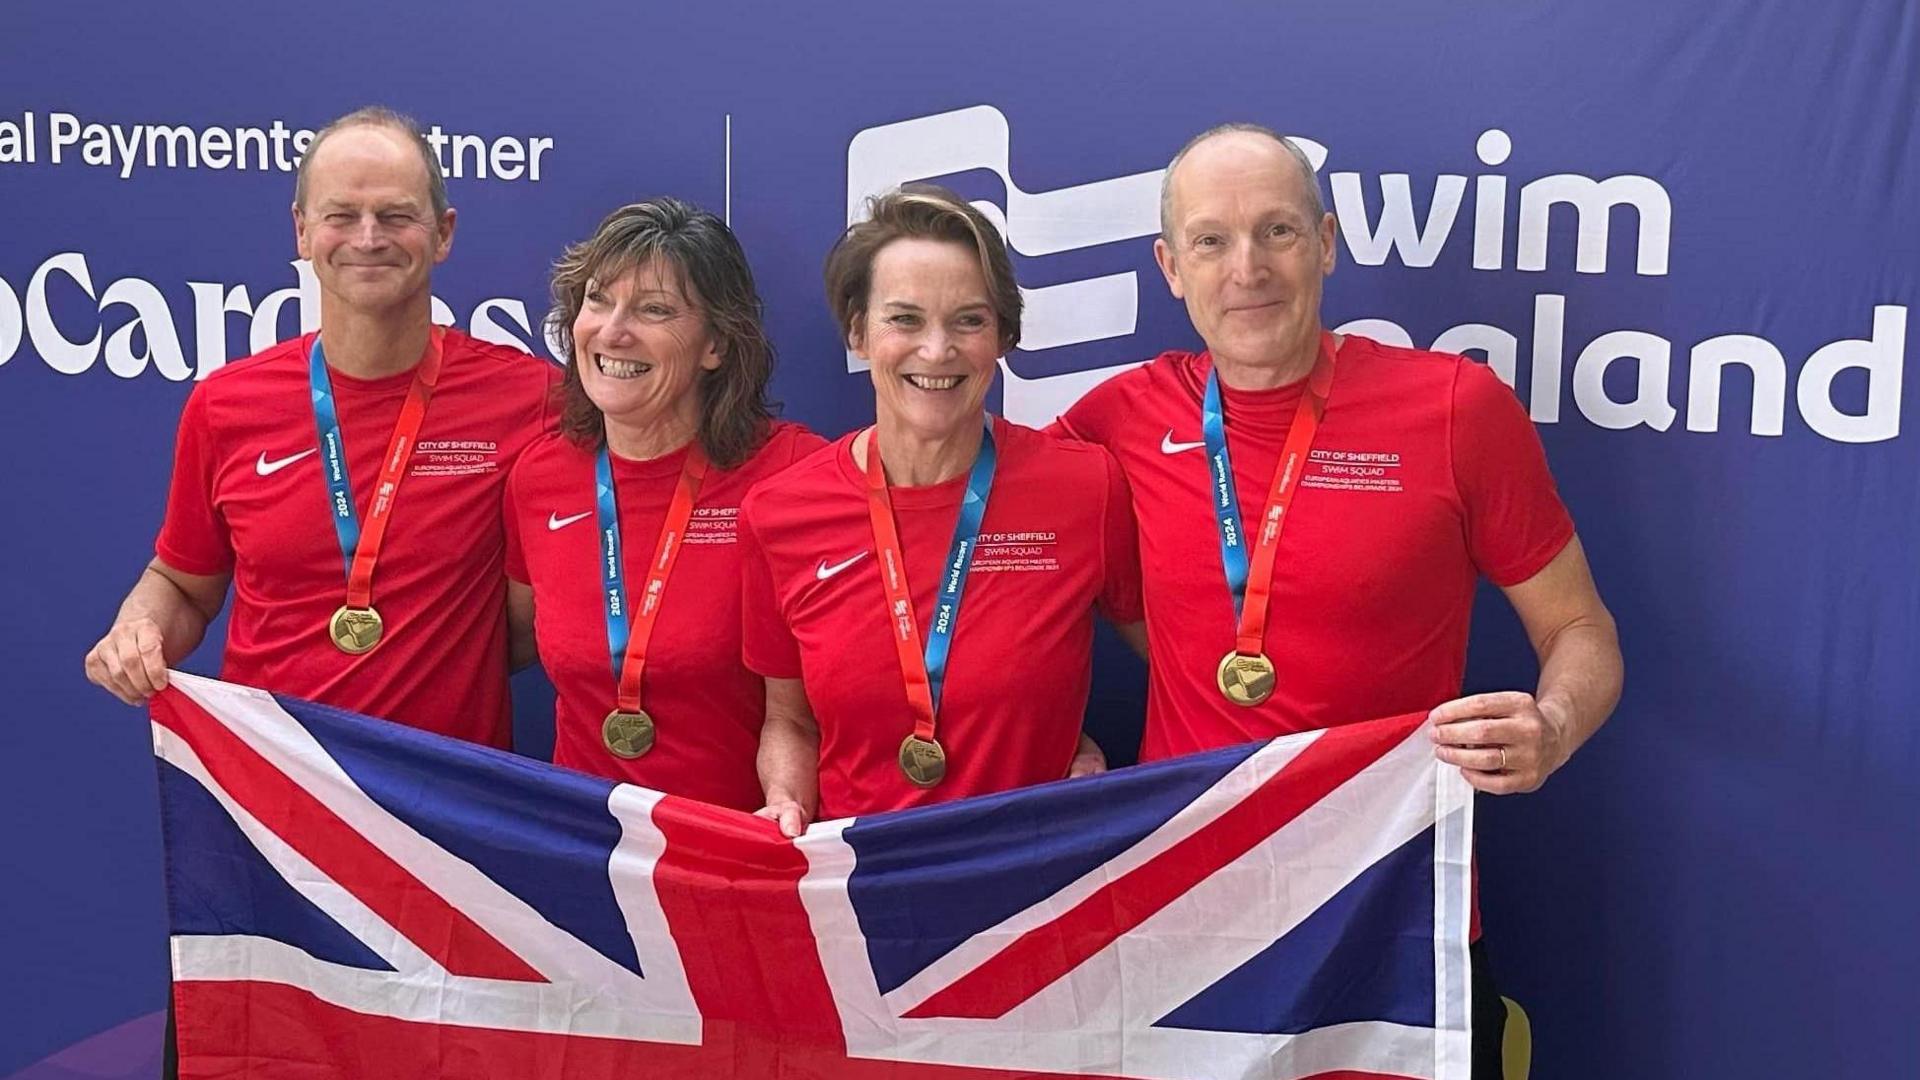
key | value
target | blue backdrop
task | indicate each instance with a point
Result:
(1687, 232)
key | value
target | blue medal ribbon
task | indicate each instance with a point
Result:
(333, 451)
(1226, 500)
(613, 578)
(953, 586)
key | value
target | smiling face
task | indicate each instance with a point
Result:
(930, 333)
(368, 224)
(1246, 252)
(640, 343)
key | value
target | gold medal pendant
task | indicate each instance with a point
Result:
(923, 760)
(627, 734)
(1245, 680)
(355, 630)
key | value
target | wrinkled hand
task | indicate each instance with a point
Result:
(792, 818)
(128, 662)
(1502, 742)
(1088, 759)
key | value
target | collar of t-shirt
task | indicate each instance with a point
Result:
(666, 466)
(1263, 415)
(944, 495)
(395, 385)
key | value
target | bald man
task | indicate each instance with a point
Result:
(1316, 510)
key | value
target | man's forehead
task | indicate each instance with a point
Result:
(1236, 167)
(367, 149)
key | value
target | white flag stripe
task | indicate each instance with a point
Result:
(864, 1016)
(457, 1001)
(1168, 1054)
(1452, 914)
(630, 868)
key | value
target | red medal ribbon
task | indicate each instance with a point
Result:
(1251, 640)
(406, 432)
(666, 551)
(893, 573)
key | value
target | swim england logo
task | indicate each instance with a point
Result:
(1620, 380)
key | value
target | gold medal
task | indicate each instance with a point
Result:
(355, 630)
(923, 760)
(627, 734)
(1245, 680)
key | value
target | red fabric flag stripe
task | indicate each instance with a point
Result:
(266, 1031)
(309, 827)
(729, 886)
(1047, 953)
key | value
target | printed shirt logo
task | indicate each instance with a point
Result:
(823, 572)
(455, 457)
(555, 522)
(1024, 552)
(1354, 470)
(1168, 446)
(268, 468)
(713, 525)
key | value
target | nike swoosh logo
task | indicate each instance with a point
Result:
(1168, 446)
(555, 522)
(824, 571)
(268, 468)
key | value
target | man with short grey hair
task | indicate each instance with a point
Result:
(1315, 510)
(280, 457)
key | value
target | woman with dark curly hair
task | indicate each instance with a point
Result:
(622, 565)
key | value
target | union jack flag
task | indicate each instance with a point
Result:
(351, 898)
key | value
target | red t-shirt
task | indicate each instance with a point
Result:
(249, 498)
(1057, 539)
(1426, 474)
(707, 706)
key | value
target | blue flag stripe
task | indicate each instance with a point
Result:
(1366, 954)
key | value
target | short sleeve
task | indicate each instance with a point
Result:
(1516, 523)
(193, 536)
(1120, 588)
(1091, 419)
(767, 644)
(542, 405)
(510, 525)
(804, 443)
(550, 397)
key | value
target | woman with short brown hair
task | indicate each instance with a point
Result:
(920, 595)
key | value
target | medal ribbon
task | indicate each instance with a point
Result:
(1251, 585)
(925, 669)
(628, 648)
(359, 550)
